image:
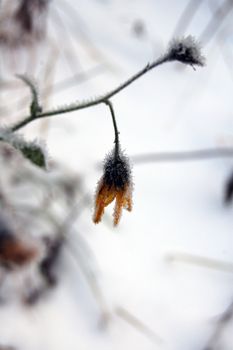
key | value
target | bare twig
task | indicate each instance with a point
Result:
(74, 80)
(94, 102)
(186, 51)
(116, 141)
(35, 107)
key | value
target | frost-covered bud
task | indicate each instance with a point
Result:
(114, 184)
(186, 50)
(117, 172)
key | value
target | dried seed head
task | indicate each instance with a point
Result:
(114, 184)
(187, 51)
(117, 172)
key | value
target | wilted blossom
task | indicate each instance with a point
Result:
(115, 184)
(186, 50)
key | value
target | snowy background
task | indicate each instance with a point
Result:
(154, 293)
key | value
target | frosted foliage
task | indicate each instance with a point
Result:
(34, 205)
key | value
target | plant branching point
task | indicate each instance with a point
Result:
(186, 51)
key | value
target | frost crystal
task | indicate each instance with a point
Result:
(187, 51)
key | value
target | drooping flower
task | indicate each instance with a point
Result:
(13, 251)
(115, 184)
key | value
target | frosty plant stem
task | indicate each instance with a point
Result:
(115, 183)
(90, 103)
(185, 50)
(35, 107)
(116, 141)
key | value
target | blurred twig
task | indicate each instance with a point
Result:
(82, 260)
(49, 73)
(137, 324)
(74, 80)
(35, 105)
(79, 27)
(218, 17)
(201, 261)
(222, 323)
(188, 54)
(181, 156)
(70, 55)
(223, 46)
(186, 17)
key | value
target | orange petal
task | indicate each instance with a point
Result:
(104, 197)
(128, 203)
(109, 197)
(118, 207)
(99, 211)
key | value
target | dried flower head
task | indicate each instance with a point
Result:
(187, 51)
(114, 184)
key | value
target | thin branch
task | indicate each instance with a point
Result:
(116, 141)
(94, 102)
(186, 51)
(35, 107)
(74, 80)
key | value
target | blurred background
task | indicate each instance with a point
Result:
(161, 279)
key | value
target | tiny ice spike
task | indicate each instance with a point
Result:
(186, 50)
(114, 184)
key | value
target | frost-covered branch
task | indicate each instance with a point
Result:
(185, 50)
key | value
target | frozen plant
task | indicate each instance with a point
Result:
(116, 181)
